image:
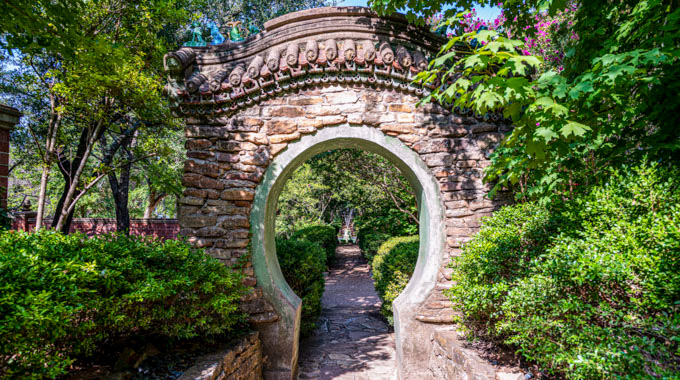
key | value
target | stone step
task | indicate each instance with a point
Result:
(436, 305)
(439, 316)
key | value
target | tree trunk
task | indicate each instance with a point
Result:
(73, 193)
(67, 168)
(41, 196)
(120, 189)
(48, 158)
(154, 200)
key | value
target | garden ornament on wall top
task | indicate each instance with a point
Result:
(235, 31)
(252, 30)
(196, 35)
(217, 37)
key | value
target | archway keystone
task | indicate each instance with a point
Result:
(316, 80)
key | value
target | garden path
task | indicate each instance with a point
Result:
(353, 341)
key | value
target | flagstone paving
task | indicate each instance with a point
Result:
(353, 341)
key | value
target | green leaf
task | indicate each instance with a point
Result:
(547, 133)
(476, 61)
(580, 88)
(574, 128)
(439, 61)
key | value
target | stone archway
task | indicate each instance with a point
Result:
(313, 79)
(285, 332)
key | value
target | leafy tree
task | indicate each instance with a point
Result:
(304, 200)
(332, 182)
(90, 73)
(112, 75)
(255, 12)
(609, 104)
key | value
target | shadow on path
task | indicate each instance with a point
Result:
(352, 342)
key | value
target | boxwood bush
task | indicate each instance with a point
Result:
(62, 295)
(588, 289)
(369, 241)
(303, 264)
(324, 235)
(393, 267)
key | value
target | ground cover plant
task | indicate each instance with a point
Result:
(303, 263)
(393, 267)
(61, 296)
(588, 288)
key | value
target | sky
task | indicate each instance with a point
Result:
(485, 13)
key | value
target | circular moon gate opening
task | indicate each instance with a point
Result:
(280, 338)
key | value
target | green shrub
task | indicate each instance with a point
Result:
(369, 242)
(598, 293)
(502, 252)
(392, 268)
(324, 235)
(61, 295)
(303, 264)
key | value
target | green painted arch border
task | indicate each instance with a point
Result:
(280, 338)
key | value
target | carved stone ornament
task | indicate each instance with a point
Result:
(304, 49)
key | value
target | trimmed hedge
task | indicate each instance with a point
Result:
(393, 267)
(324, 235)
(303, 264)
(62, 295)
(370, 241)
(589, 289)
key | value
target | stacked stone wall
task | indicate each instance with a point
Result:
(245, 103)
(242, 360)
(227, 158)
(452, 357)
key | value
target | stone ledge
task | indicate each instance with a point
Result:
(453, 359)
(241, 360)
(9, 117)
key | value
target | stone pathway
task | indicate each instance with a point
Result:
(353, 342)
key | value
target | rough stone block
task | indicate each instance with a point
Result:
(235, 146)
(195, 131)
(204, 168)
(400, 108)
(197, 144)
(235, 222)
(201, 182)
(342, 98)
(333, 120)
(397, 128)
(281, 126)
(210, 231)
(198, 221)
(438, 159)
(255, 138)
(283, 111)
(238, 195)
(278, 139)
(302, 100)
(200, 154)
